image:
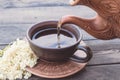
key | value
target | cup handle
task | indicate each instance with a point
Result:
(87, 51)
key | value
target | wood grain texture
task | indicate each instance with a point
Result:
(32, 3)
(36, 14)
(99, 45)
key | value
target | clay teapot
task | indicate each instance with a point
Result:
(106, 25)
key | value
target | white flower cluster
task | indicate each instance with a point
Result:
(15, 59)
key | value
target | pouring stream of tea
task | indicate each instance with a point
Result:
(58, 33)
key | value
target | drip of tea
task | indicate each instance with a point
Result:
(51, 38)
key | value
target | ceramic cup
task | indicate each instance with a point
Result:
(58, 54)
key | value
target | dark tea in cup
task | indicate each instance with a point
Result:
(49, 38)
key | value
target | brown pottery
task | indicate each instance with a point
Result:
(106, 25)
(58, 54)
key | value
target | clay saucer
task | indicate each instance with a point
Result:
(56, 69)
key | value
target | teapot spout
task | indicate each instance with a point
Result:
(82, 23)
(96, 27)
(85, 24)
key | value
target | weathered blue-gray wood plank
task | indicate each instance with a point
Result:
(32, 3)
(35, 15)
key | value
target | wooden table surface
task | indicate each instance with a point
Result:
(17, 17)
